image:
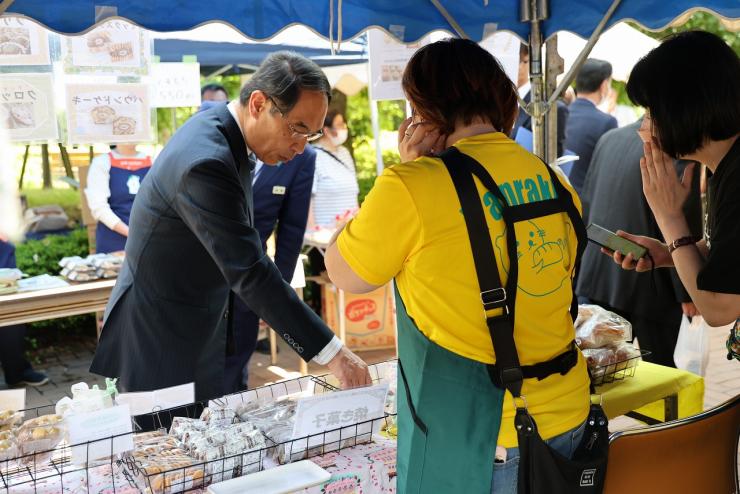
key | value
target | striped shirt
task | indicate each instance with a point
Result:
(335, 186)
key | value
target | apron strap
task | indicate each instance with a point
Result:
(507, 372)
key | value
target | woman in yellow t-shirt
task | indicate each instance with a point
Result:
(456, 429)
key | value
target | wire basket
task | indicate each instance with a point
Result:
(617, 371)
(54, 471)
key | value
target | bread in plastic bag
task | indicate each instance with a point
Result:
(597, 327)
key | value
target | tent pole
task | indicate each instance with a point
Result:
(554, 66)
(375, 120)
(534, 11)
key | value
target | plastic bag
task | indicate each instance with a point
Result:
(692, 346)
(596, 327)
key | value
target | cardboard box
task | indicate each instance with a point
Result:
(370, 318)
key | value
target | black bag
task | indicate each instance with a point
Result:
(541, 469)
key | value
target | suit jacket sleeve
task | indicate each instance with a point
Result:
(563, 112)
(212, 202)
(293, 217)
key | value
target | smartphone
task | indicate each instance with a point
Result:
(610, 240)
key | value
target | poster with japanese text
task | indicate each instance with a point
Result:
(108, 113)
(22, 42)
(387, 62)
(175, 85)
(115, 47)
(27, 107)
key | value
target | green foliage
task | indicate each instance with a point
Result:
(699, 21)
(36, 257)
(390, 114)
(68, 199)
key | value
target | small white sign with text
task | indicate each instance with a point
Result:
(100, 434)
(334, 411)
(160, 399)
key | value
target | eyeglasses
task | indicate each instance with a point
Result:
(296, 134)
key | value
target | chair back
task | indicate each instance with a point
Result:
(696, 454)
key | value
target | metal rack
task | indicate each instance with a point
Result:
(616, 371)
(54, 471)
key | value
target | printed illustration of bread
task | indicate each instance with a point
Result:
(124, 126)
(121, 52)
(103, 114)
(98, 41)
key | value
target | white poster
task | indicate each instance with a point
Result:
(505, 47)
(27, 107)
(388, 59)
(175, 84)
(23, 42)
(108, 113)
(116, 47)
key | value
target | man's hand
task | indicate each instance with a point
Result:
(351, 371)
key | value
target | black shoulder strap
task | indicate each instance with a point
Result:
(493, 294)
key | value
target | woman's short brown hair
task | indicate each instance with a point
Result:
(455, 80)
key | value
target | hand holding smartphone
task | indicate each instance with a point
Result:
(610, 240)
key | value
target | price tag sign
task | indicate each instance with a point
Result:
(175, 84)
(93, 432)
(13, 399)
(329, 411)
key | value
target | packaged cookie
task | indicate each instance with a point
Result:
(37, 438)
(9, 419)
(8, 446)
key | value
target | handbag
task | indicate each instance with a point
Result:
(541, 469)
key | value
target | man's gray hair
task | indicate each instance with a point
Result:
(282, 76)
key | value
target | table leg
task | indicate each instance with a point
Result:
(671, 407)
(273, 346)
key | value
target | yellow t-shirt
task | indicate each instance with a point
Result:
(411, 228)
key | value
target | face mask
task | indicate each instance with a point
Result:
(339, 139)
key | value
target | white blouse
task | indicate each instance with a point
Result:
(98, 189)
(335, 186)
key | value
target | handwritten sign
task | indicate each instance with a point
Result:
(329, 411)
(27, 107)
(93, 432)
(23, 42)
(387, 63)
(108, 113)
(160, 399)
(175, 84)
(115, 47)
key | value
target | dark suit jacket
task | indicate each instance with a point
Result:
(191, 242)
(523, 119)
(586, 124)
(613, 198)
(282, 195)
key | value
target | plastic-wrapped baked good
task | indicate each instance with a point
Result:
(599, 357)
(8, 446)
(602, 328)
(39, 435)
(182, 425)
(9, 419)
(216, 417)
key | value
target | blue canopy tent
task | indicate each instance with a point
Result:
(220, 57)
(408, 20)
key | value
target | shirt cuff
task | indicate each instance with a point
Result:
(329, 352)
(109, 219)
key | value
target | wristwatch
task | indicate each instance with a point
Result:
(680, 242)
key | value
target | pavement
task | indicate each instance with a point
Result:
(722, 380)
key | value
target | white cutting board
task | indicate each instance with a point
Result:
(280, 480)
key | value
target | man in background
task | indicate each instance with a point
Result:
(213, 92)
(612, 198)
(586, 123)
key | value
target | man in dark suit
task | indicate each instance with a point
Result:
(586, 123)
(523, 119)
(612, 198)
(192, 241)
(281, 196)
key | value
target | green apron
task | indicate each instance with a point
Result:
(449, 414)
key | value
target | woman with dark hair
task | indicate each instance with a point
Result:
(456, 427)
(693, 117)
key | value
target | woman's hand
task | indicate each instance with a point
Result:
(418, 139)
(121, 228)
(664, 192)
(657, 250)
